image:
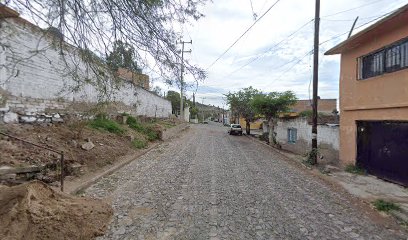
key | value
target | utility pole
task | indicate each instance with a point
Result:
(315, 82)
(182, 76)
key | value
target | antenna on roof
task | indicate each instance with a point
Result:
(352, 27)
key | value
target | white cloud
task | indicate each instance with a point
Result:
(281, 69)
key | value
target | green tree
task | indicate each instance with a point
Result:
(240, 103)
(193, 112)
(174, 98)
(122, 56)
(270, 105)
(150, 29)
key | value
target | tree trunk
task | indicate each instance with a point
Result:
(247, 127)
(271, 123)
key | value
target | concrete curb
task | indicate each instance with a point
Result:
(110, 170)
(104, 172)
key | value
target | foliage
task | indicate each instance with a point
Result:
(351, 168)
(139, 143)
(306, 113)
(122, 56)
(174, 98)
(311, 156)
(273, 103)
(194, 112)
(385, 206)
(150, 27)
(105, 124)
(264, 137)
(240, 102)
(309, 114)
(142, 128)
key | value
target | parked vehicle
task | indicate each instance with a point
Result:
(235, 129)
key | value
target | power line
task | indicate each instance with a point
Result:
(351, 9)
(239, 38)
(328, 40)
(362, 25)
(287, 70)
(270, 49)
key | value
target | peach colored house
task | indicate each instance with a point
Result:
(374, 98)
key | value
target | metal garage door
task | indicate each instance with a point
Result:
(382, 149)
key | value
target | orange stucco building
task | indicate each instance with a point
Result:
(374, 98)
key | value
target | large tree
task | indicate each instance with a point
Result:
(150, 27)
(270, 105)
(240, 103)
(122, 56)
(174, 98)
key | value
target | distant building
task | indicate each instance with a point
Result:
(374, 98)
(139, 79)
(323, 105)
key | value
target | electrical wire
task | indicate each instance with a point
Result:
(351, 9)
(246, 31)
(270, 49)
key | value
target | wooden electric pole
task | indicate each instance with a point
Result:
(182, 76)
(315, 82)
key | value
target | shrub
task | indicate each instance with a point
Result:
(151, 134)
(107, 125)
(351, 168)
(264, 137)
(133, 123)
(139, 143)
(385, 206)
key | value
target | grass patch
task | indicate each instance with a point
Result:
(142, 128)
(106, 125)
(139, 143)
(385, 206)
(351, 168)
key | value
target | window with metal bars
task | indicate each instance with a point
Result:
(292, 135)
(390, 59)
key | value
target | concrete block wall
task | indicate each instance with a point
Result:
(35, 77)
(328, 138)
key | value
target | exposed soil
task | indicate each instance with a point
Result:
(35, 211)
(63, 137)
(66, 137)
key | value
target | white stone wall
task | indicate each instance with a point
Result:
(327, 138)
(32, 68)
(326, 134)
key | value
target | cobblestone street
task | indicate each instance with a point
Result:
(210, 185)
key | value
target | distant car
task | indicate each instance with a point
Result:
(205, 122)
(235, 129)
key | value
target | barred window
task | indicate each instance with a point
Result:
(389, 59)
(292, 135)
(373, 65)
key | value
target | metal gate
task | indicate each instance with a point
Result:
(382, 149)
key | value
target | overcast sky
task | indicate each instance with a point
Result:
(256, 60)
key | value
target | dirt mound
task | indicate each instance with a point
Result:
(35, 211)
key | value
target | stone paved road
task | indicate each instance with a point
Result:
(209, 185)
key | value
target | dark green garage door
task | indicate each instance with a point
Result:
(382, 149)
